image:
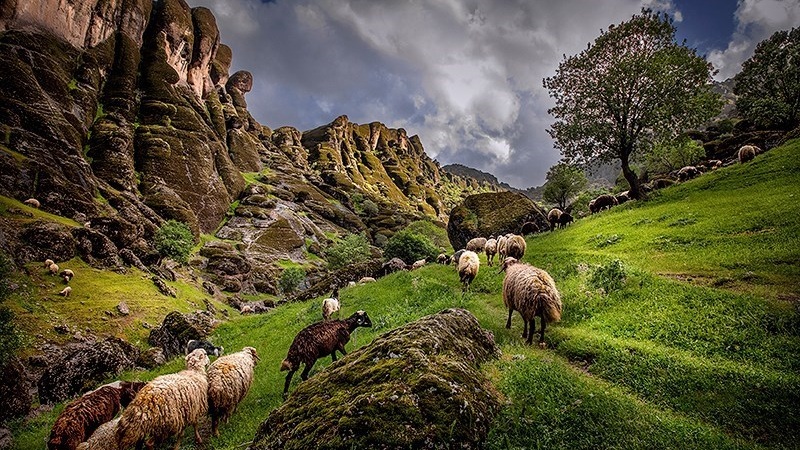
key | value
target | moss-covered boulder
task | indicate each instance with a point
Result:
(495, 213)
(418, 386)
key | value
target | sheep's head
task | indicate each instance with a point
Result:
(508, 262)
(197, 360)
(362, 319)
(129, 390)
(253, 353)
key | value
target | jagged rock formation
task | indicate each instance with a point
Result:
(484, 215)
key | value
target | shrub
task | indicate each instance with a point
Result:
(609, 277)
(410, 246)
(353, 248)
(174, 240)
(291, 277)
(369, 207)
(435, 233)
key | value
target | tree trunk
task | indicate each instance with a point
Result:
(630, 176)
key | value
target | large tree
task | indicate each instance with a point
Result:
(634, 86)
(564, 181)
(769, 84)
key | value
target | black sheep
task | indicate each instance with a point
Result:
(210, 349)
(565, 219)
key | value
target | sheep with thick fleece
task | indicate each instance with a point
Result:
(103, 437)
(319, 340)
(53, 269)
(442, 258)
(419, 263)
(688, 172)
(48, 263)
(476, 244)
(747, 153)
(501, 247)
(553, 217)
(330, 305)
(166, 406)
(532, 292)
(229, 379)
(83, 415)
(515, 247)
(456, 257)
(490, 249)
(468, 267)
(33, 203)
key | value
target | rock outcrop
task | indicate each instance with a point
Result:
(418, 386)
(178, 329)
(15, 397)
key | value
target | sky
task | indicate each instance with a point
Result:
(464, 75)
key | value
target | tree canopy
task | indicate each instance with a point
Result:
(634, 86)
(564, 181)
(768, 87)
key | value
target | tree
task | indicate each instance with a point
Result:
(410, 247)
(352, 249)
(564, 181)
(632, 87)
(768, 87)
(668, 156)
(174, 240)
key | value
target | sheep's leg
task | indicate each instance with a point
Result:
(214, 424)
(288, 380)
(178, 442)
(508, 322)
(525, 328)
(541, 336)
(304, 375)
(333, 356)
(197, 439)
(529, 339)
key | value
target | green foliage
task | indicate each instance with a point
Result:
(668, 156)
(369, 208)
(609, 277)
(291, 277)
(768, 87)
(632, 87)
(410, 247)
(435, 233)
(564, 181)
(352, 249)
(363, 206)
(10, 338)
(174, 240)
(580, 205)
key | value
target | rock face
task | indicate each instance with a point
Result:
(418, 386)
(488, 214)
(15, 397)
(178, 329)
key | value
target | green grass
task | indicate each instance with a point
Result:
(30, 214)
(698, 348)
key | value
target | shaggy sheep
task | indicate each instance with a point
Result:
(318, 341)
(365, 280)
(532, 292)
(53, 268)
(622, 197)
(747, 153)
(456, 257)
(529, 228)
(468, 267)
(565, 219)
(48, 263)
(67, 275)
(229, 379)
(246, 309)
(491, 249)
(515, 247)
(210, 349)
(501, 247)
(476, 245)
(330, 305)
(442, 258)
(552, 217)
(687, 173)
(604, 201)
(83, 415)
(711, 164)
(166, 406)
(66, 291)
(33, 203)
(393, 265)
(103, 437)
(418, 264)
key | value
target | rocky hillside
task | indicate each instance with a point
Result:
(121, 114)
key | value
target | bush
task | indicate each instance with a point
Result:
(435, 233)
(609, 277)
(410, 246)
(174, 240)
(369, 207)
(353, 248)
(291, 277)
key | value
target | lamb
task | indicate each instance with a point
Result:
(456, 257)
(33, 203)
(48, 263)
(476, 244)
(166, 406)
(747, 153)
(501, 247)
(532, 292)
(418, 264)
(601, 202)
(210, 349)
(491, 249)
(468, 267)
(687, 173)
(565, 219)
(515, 247)
(552, 217)
(66, 291)
(318, 341)
(330, 305)
(103, 437)
(229, 379)
(53, 268)
(442, 258)
(83, 415)
(67, 275)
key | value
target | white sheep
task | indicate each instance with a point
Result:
(365, 280)
(747, 153)
(33, 203)
(418, 264)
(468, 266)
(53, 268)
(229, 379)
(67, 275)
(66, 291)
(532, 292)
(330, 305)
(491, 249)
(166, 406)
(48, 263)
(501, 247)
(103, 437)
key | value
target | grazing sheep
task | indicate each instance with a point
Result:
(351, 284)
(229, 379)
(393, 265)
(529, 228)
(552, 217)
(247, 309)
(166, 406)
(515, 247)
(48, 263)
(604, 201)
(468, 267)
(418, 264)
(476, 245)
(501, 247)
(66, 291)
(661, 183)
(83, 415)
(565, 219)
(456, 257)
(103, 437)
(532, 292)
(747, 153)
(53, 268)
(442, 258)
(711, 164)
(330, 305)
(318, 341)
(491, 249)
(67, 275)
(687, 173)
(365, 280)
(622, 197)
(210, 349)
(33, 203)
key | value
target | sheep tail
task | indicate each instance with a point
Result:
(286, 365)
(552, 308)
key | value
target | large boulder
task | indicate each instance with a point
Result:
(495, 213)
(85, 366)
(46, 240)
(418, 386)
(178, 329)
(15, 397)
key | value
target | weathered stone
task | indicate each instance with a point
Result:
(131, 259)
(488, 214)
(163, 287)
(151, 358)
(96, 248)
(15, 397)
(418, 386)
(178, 329)
(46, 240)
(123, 308)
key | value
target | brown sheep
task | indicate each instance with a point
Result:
(490, 249)
(33, 203)
(532, 292)
(501, 247)
(529, 228)
(622, 197)
(604, 201)
(687, 173)
(515, 247)
(747, 153)
(476, 245)
(552, 217)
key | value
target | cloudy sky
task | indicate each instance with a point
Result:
(465, 75)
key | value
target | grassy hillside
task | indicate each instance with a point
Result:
(697, 346)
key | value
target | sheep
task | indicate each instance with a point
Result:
(565, 219)
(515, 247)
(365, 280)
(330, 305)
(456, 257)
(229, 379)
(33, 203)
(48, 263)
(687, 173)
(747, 153)
(501, 247)
(491, 249)
(66, 291)
(393, 265)
(67, 275)
(53, 268)
(418, 264)
(442, 258)
(210, 349)
(622, 197)
(83, 415)
(711, 164)
(103, 437)
(476, 244)
(246, 309)
(468, 267)
(601, 202)
(166, 406)
(552, 217)
(532, 292)
(529, 228)
(318, 341)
